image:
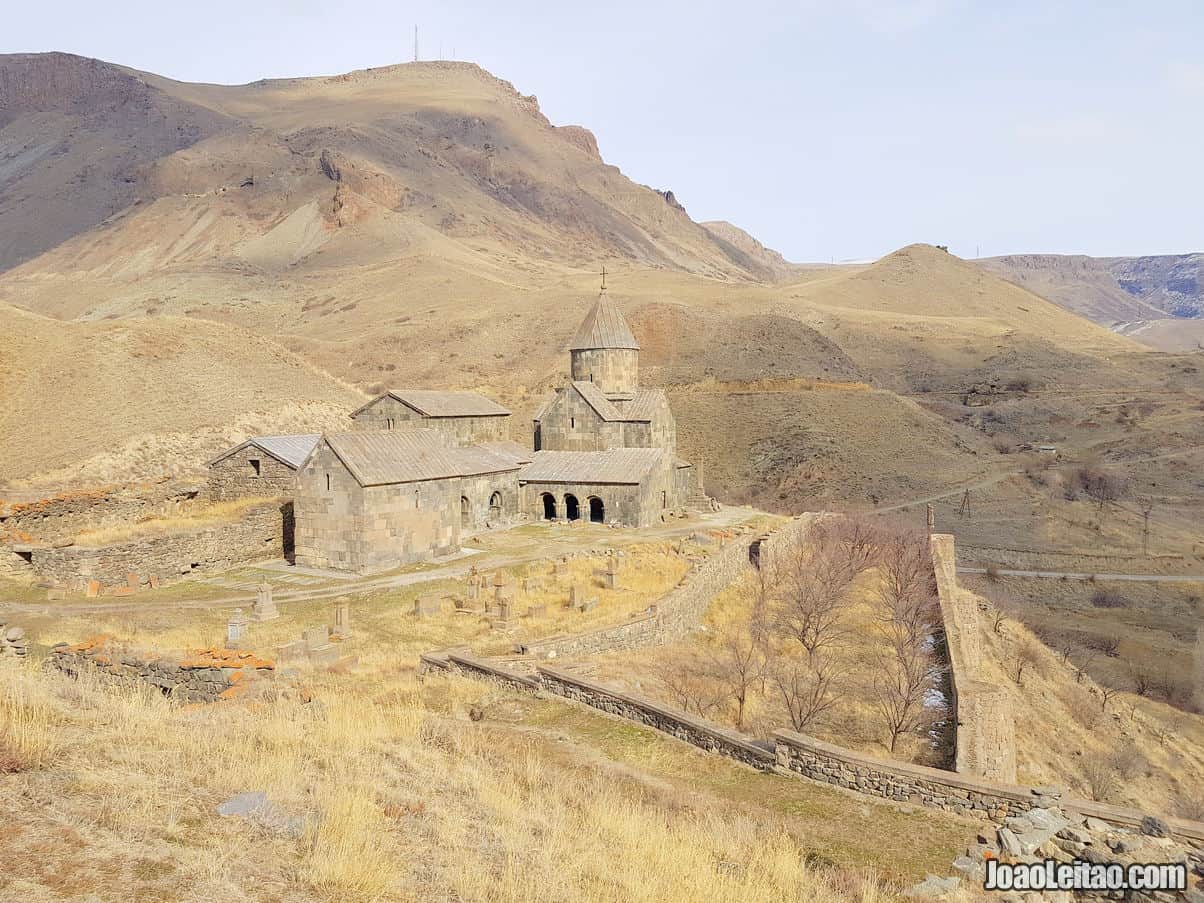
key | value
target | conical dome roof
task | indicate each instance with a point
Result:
(603, 327)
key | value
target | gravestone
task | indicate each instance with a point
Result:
(236, 629)
(428, 605)
(611, 576)
(316, 637)
(291, 652)
(574, 596)
(342, 618)
(537, 611)
(264, 608)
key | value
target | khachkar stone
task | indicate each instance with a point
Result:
(611, 576)
(236, 629)
(264, 608)
(342, 618)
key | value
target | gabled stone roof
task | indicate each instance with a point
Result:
(381, 458)
(603, 327)
(597, 400)
(621, 466)
(288, 450)
(434, 403)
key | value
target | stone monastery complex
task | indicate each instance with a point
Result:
(423, 469)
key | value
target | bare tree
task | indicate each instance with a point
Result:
(689, 684)
(1025, 656)
(736, 662)
(814, 575)
(901, 682)
(808, 687)
(1106, 695)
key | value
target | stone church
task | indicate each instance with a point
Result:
(422, 469)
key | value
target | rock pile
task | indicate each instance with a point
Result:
(201, 675)
(13, 640)
(1047, 832)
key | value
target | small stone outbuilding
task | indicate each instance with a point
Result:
(260, 466)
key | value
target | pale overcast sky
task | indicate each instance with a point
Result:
(829, 131)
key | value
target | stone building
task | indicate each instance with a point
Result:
(260, 466)
(369, 501)
(423, 469)
(465, 417)
(586, 434)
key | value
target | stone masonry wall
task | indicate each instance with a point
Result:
(802, 756)
(460, 430)
(1074, 562)
(235, 477)
(204, 675)
(985, 742)
(678, 612)
(258, 535)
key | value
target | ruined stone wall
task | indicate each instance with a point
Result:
(985, 734)
(258, 535)
(205, 675)
(15, 566)
(235, 477)
(610, 369)
(63, 516)
(460, 430)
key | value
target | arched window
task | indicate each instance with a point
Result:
(572, 510)
(549, 506)
(465, 511)
(495, 507)
(597, 511)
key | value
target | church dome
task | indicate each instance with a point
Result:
(604, 327)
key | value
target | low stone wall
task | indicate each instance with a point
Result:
(204, 675)
(16, 566)
(985, 741)
(259, 534)
(673, 722)
(899, 781)
(795, 754)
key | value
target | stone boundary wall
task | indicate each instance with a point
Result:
(1075, 562)
(798, 755)
(204, 675)
(257, 535)
(682, 608)
(984, 737)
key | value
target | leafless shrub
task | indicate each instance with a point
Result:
(736, 663)
(807, 687)
(1108, 598)
(1026, 656)
(690, 685)
(1082, 706)
(1101, 778)
(1101, 485)
(813, 577)
(1127, 761)
(992, 573)
(1106, 695)
(1143, 680)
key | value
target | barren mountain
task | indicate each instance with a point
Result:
(425, 224)
(1158, 300)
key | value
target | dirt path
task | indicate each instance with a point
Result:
(1070, 575)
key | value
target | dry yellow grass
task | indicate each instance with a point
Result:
(404, 799)
(199, 518)
(28, 738)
